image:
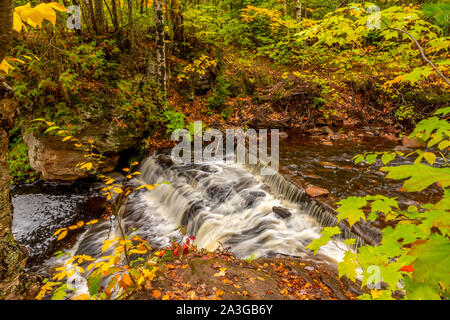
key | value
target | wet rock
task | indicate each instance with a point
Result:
(412, 142)
(283, 135)
(251, 198)
(389, 137)
(315, 191)
(336, 137)
(312, 176)
(327, 130)
(292, 166)
(314, 131)
(281, 212)
(327, 164)
(327, 143)
(165, 161)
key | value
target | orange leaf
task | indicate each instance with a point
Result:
(156, 294)
(219, 292)
(125, 281)
(226, 281)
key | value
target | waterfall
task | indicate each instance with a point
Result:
(222, 205)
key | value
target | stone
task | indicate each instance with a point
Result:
(412, 142)
(57, 160)
(336, 137)
(314, 131)
(281, 212)
(327, 130)
(329, 165)
(283, 135)
(315, 191)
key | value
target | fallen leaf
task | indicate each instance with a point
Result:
(156, 294)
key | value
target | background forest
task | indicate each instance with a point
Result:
(106, 82)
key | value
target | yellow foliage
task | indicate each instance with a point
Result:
(5, 66)
(34, 17)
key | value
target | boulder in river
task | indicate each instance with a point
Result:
(282, 212)
(412, 142)
(326, 130)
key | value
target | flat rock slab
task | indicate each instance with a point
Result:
(220, 276)
(315, 191)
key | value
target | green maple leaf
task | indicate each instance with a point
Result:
(391, 274)
(369, 255)
(348, 266)
(420, 176)
(421, 291)
(432, 261)
(327, 233)
(350, 209)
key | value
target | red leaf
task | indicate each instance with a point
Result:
(408, 268)
(185, 249)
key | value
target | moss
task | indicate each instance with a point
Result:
(19, 164)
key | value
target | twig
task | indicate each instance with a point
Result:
(423, 54)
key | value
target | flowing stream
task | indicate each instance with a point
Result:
(222, 205)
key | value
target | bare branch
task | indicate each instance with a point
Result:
(423, 54)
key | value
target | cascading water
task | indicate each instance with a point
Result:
(221, 205)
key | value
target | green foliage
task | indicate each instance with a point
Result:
(327, 233)
(220, 94)
(437, 12)
(413, 256)
(174, 120)
(19, 165)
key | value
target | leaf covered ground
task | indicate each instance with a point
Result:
(221, 276)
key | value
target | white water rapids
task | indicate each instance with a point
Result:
(221, 205)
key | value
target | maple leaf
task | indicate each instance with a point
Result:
(125, 281)
(432, 261)
(327, 233)
(351, 209)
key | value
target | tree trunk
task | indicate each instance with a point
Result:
(90, 9)
(114, 15)
(130, 23)
(298, 11)
(161, 67)
(12, 255)
(99, 15)
(5, 26)
(177, 21)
